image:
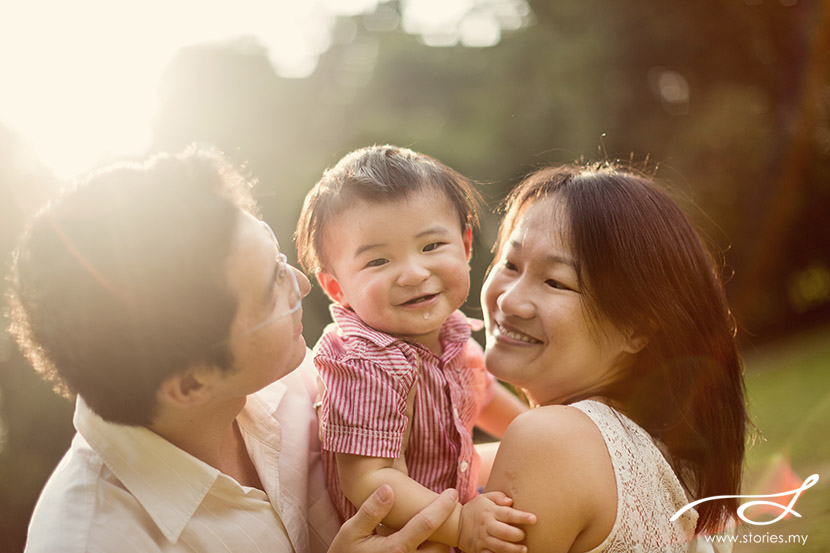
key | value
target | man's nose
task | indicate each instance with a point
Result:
(302, 281)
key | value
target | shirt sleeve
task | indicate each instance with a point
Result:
(364, 406)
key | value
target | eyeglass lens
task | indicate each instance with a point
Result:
(287, 284)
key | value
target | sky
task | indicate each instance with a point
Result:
(80, 79)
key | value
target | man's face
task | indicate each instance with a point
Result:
(262, 284)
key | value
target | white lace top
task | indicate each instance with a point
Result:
(648, 491)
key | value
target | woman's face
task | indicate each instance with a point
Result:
(539, 336)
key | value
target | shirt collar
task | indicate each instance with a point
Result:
(151, 468)
(168, 482)
(456, 329)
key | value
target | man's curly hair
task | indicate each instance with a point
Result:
(120, 281)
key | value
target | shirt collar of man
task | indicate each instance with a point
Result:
(456, 329)
(168, 482)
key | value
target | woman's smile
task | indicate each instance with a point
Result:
(508, 335)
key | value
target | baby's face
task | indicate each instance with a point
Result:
(402, 266)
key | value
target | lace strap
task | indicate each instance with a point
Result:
(648, 492)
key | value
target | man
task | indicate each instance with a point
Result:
(153, 293)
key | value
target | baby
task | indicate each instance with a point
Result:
(388, 234)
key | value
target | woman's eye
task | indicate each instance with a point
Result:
(556, 284)
(508, 265)
(432, 247)
(377, 262)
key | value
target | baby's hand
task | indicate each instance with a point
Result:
(486, 525)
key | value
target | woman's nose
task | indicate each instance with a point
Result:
(514, 299)
(412, 274)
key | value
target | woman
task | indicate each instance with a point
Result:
(604, 306)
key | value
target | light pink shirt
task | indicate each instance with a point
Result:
(368, 376)
(126, 489)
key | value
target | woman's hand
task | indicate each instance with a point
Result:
(357, 534)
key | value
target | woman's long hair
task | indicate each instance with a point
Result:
(642, 266)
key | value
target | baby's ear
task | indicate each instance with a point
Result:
(467, 235)
(331, 287)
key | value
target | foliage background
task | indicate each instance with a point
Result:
(727, 100)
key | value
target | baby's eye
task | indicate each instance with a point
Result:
(377, 262)
(433, 246)
(508, 265)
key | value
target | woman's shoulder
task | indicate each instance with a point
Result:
(553, 425)
(563, 437)
(554, 463)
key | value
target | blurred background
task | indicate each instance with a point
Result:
(728, 101)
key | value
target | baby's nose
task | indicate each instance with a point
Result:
(412, 274)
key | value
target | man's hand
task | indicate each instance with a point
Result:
(357, 534)
(487, 524)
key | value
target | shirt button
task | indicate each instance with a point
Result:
(455, 412)
(464, 466)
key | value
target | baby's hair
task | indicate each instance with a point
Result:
(377, 174)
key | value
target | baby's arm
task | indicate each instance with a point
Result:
(500, 411)
(360, 476)
(484, 522)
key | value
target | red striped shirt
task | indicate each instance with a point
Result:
(368, 376)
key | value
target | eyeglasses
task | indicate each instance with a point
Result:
(286, 281)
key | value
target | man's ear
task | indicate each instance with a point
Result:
(467, 235)
(187, 389)
(331, 287)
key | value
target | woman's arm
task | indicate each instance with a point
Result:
(553, 462)
(500, 411)
(494, 419)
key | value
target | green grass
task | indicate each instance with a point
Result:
(788, 387)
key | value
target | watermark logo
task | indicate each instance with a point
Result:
(785, 509)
